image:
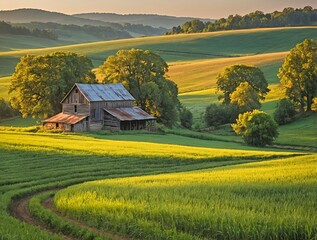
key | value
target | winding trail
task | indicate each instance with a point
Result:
(19, 209)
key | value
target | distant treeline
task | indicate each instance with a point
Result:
(6, 28)
(113, 31)
(288, 17)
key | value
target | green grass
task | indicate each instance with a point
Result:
(19, 122)
(266, 200)
(185, 46)
(300, 132)
(31, 162)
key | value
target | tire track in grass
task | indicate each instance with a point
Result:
(19, 209)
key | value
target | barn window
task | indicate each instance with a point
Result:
(57, 125)
(76, 91)
(75, 108)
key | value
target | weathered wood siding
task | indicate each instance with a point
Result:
(61, 126)
(95, 126)
(80, 127)
(75, 96)
(80, 109)
(110, 122)
(97, 112)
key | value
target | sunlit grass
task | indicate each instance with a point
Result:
(197, 75)
(272, 199)
(32, 162)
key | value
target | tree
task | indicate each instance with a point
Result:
(186, 118)
(298, 74)
(257, 128)
(6, 110)
(217, 115)
(245, 97)
(142, 72)
(284, 112)
(40, 82)
(233, 76)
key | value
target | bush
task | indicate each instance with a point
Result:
(284, 112)
(217, 115)
(256, 127)
(6, 110)
(186, 118)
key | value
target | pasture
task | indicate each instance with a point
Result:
(183, 47)
(32, 162)
(264, 200)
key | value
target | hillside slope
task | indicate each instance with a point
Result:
(153, 20)
(183, 47)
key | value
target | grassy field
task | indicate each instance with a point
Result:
(32, 162)
(181, 47)
(201, 74)
(266, 200)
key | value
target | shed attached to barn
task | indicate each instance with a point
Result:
(99, 106)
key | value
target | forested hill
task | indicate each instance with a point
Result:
(30, 16)
(6, 28)
(288, 17)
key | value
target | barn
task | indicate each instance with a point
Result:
(91, 107)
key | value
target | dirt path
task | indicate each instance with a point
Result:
(19, 210)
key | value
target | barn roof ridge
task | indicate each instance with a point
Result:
(96, 92)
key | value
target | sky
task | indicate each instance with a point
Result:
(189, 8)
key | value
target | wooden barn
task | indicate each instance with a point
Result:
(89, 107)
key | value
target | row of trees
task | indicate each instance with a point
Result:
(288, 17)
(6, 28)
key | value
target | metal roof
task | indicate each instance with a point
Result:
(129, 114)
(66, 118)
(104, 92)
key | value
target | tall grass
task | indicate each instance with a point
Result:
(31, 162)
(267, 200)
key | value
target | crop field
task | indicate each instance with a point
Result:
(266, 200)
(32, 162)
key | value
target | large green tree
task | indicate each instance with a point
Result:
(40, 82)
(245, 97)
(233, 76)
(257, 128)
(142, 72)
(298, 74)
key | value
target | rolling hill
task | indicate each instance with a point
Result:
(153, 20)
(37, 15)
(183, 47)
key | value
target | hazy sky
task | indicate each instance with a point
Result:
(194, 8)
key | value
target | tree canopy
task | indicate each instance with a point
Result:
(257, 128)
(245, 97)
(298, 74)
(40, 82)
(284, 112)
(142, 72)
(230, 79)
(288, 17)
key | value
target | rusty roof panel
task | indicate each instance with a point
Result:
(66, 118)
(129, 114)
(104, 92)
